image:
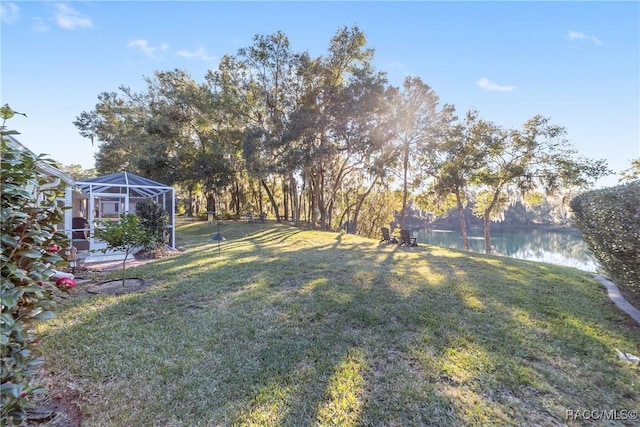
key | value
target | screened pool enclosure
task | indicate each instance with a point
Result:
(105, 198)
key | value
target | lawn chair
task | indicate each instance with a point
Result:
(386, 236)
(406, 239)
(80, 233)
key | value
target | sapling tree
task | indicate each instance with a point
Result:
(124, 236)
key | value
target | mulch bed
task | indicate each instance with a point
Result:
(117, 287)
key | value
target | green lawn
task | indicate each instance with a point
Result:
(293, 327)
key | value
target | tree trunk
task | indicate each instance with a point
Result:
(487, 222)
(344, 215)
(190, 208)
(319, 210)
(236, 206)
(314, 213)
(285, 200)
(273, 201)
(487, 231)
(323, 218)
(322, 206)
(405, 189)
(295, 203)
(124, 268)
(463, 222)
(211, 202)
(356, 212)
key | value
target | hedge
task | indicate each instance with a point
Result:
(30, 249)
(609, 220)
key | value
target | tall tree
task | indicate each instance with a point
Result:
(340, 123)
(363, 124)
(76, 171)
(173, 132)
(536, 156)
(113, 125)
(262, 82)
(418, 125)
(452, 165)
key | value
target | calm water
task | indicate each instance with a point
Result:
(556, 247)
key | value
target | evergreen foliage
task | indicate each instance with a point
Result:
(30, 250)
(609, 220)
(313, 139)
(154, 219)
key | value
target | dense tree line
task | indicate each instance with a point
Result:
(323, 140)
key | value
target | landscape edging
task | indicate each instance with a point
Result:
(619, 300)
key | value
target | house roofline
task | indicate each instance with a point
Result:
(41, 166)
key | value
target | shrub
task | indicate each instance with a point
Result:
(609, 220)
(181, 208)
(125, 236)
(30, 249)
(154, 219)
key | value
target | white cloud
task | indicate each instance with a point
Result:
(39, 25)
(486, 84)
(70, 19)
(148, 50)
(395, 65)
(200, 53)
(9, 13)
(578, 35)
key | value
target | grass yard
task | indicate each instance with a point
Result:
(292, 327)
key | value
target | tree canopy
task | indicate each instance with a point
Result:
(325, 139)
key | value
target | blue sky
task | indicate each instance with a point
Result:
(575, 62)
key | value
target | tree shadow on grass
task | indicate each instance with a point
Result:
(286, 331)
(533, 331)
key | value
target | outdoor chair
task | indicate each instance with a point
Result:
(80, 233)
(406, 239)
(80, 227)
(386, 236)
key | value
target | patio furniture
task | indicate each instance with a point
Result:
(406, 239)
(386, 236)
